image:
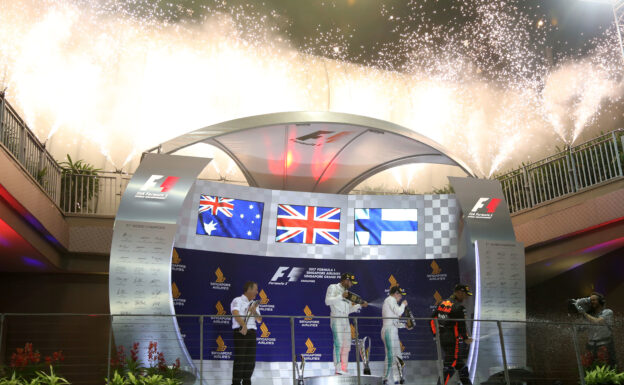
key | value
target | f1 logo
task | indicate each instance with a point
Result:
(167, 185)
(292, 276)
(491, 207)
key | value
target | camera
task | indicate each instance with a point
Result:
(578, 306)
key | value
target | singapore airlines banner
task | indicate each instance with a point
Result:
(205, 282)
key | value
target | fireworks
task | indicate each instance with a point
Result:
(86, 73)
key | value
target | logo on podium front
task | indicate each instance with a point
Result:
(308, 313)
(310, 353)
(435, 268)
(438, 298)
(220, 309)
(310, 347)
(265, 337)
(436, 272)
(264, 302)
(220, 344)
(263, 297)
(220, 276)
(219, 283)
(309, 320)
(175, 292)
(265, 331)
(175, 258)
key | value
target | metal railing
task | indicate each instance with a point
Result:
(554, 352)
(22, 143)
(92, 194)
(574, 169)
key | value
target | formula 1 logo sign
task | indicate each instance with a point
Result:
(484, 208)
(153, 189)
(321, 137)
(285, 274)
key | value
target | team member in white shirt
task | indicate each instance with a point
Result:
(245, 333)
(391, 311)
(335, 298)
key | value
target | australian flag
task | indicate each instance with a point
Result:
(386, 226)
(308, 224)
(231, 218)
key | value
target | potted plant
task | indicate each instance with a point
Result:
(603, 375)
(79, 185)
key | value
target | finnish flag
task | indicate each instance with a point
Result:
(386, 226)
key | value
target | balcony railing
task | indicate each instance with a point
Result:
(572, 170)
(22, 143)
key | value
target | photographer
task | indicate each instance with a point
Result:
(600, 347)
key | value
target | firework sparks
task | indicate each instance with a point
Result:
(85, 73)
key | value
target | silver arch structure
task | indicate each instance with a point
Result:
(326, 152)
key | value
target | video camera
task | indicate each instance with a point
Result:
(578, 306)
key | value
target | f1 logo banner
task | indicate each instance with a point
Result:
(484, 208)
(141, 253)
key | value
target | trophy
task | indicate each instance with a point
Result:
(351, 296)
(364, 350)
(411, 320)
(400, 365)
(252, 304)
(300, 369)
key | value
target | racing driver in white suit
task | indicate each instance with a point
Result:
(391, 311)
(336, 299)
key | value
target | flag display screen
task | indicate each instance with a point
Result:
(386, 226)
(230, 218)
(308, 224)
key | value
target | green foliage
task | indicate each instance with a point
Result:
(14, 380)
(42, 378)
(79, 185)
(50, 379)
(131, 379)
(117, 379)
(603, 375)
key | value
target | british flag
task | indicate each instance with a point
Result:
(216, 205)
(308, 224)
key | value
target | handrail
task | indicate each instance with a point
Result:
(574, 169)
